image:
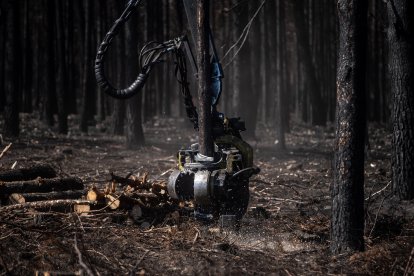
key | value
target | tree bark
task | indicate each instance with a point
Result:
(87, 77)
(47, 64)
(11, 69)
(62, 75)
(401, 67)
(206, 145)
(347, 224)
(134, 130)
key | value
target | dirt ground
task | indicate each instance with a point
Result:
(285, 231)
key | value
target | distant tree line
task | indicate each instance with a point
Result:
(280, 64)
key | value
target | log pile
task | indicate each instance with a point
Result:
(39, 187)
(137, 194)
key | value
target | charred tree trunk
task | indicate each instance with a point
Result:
(134, 131)
(204, 80)
(11, 109)
(87, 77)
(248, 97)
(347, 224)
(47, 64)
(401, 66)
(62, 75)
(280, 101)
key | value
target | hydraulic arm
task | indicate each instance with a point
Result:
(219, 185)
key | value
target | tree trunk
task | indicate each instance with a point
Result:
(87, 77)
(401, 66)
(11, 109)
(47, 64)
(134, 131)
(206, 145)
(62, 76)
(347, 224)
(248, 98)
(280, 91)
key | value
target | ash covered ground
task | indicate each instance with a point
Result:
(285, 231)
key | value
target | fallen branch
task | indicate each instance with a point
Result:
(45, 204)
(41, 185)
(43, 171)
(17, 198)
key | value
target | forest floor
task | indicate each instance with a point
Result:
(285, 231)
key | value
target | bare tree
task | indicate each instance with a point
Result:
(204, 86)
(347, 224)
(134, 132)
(11, 109)
(401, 66)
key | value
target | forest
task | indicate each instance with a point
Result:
(202, 137)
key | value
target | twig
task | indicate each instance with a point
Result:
(380, 191)
(5, 150)
(243, 36)
(409, 267)
(197, 235)
(138, 262)
(287, 200)
(80, 222)
(376, 218)
(81, 263)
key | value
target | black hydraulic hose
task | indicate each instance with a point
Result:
(137, 85)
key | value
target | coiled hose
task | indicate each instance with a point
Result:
(137, 85)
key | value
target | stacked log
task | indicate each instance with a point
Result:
(138, 195)
(39, 187)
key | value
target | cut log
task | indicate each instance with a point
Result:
(59, 203)
(95, 195)
(123, 201)
(43, 171)
(113, 202)
(82, 208)
(41, 185)
(30, 197)
(16, 199)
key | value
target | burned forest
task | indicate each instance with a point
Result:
(201, 137)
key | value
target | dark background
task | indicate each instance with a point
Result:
(282, 70)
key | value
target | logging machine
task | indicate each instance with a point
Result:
(218, 184)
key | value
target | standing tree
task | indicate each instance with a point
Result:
(401, 66)
(62, 82)
(88, 84)
(206, 145)
(134, 132)
(11, 109)
(347, 224)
